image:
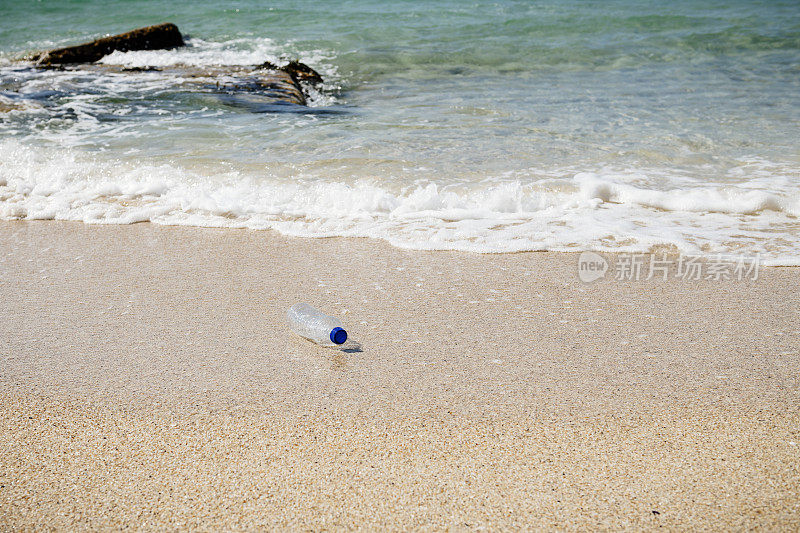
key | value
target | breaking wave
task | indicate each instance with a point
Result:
(604, 210)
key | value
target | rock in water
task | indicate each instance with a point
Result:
(159, 37)
(255, 88)
(302, 73)
(259, 88)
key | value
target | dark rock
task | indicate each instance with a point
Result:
(258, 87)
(141, 69)
(267, 65)
(302, 73)
(276, 85)
(160, 37)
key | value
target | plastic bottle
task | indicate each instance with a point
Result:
(315, 325)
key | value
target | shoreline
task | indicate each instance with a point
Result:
(489, 390)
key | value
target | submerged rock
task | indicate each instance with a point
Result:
(259, 86)
(302, 73)
(159, 37)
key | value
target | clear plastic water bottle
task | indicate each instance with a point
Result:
(316, 326)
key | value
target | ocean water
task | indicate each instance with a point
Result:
(622, 125)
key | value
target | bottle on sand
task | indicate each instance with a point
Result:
(316, 326)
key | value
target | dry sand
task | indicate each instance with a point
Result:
(147, 380)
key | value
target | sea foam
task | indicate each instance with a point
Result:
(604, 210)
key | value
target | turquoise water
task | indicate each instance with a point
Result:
(484, 126)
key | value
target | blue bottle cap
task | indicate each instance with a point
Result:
(338, 336)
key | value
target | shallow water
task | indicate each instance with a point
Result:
(485, 126)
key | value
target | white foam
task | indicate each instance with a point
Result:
(199, 53)
(729, 199)
(601, 211)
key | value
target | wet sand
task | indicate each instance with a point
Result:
(148, 381)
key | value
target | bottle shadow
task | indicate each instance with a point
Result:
(338, 359)
(336, 355)
(354, 348)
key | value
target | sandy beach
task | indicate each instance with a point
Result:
(563, 240)
(149, 381)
